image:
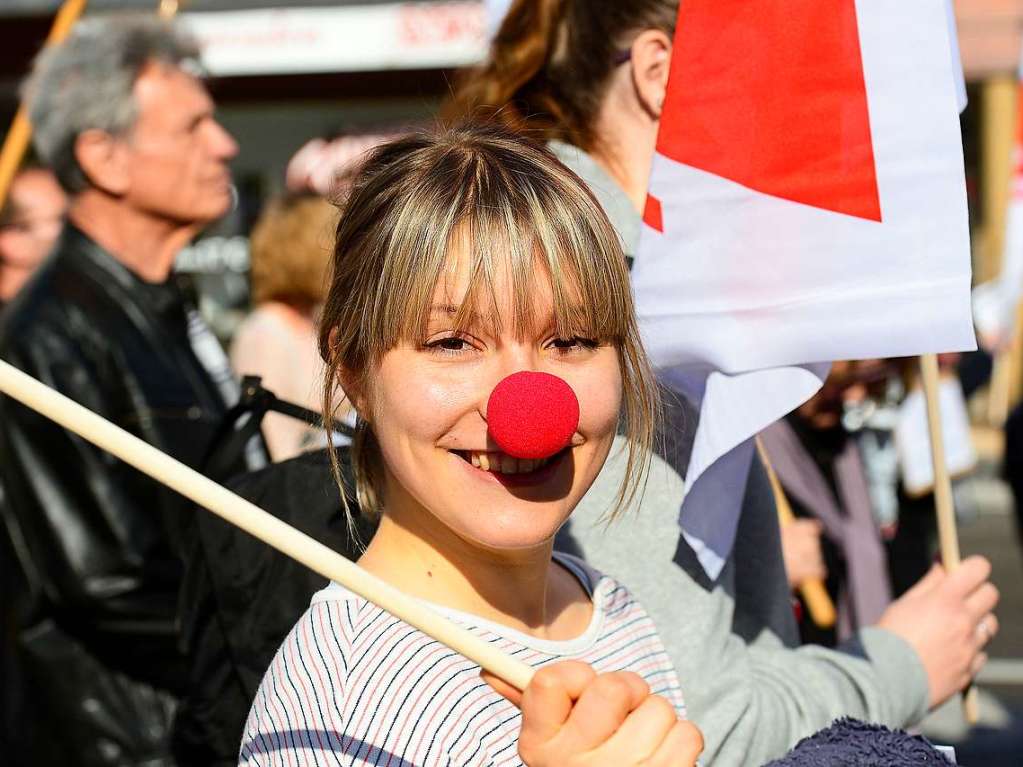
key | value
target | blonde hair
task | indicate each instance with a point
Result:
(508, 202)
(290, 250)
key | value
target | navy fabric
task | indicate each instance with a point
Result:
(851, 743)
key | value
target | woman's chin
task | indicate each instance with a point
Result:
(510, 529)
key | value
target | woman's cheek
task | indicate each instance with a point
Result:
(421, 406)
(600, 400)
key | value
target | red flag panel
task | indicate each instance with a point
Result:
(772, 96)
(652, 214)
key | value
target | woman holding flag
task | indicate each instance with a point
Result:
(590, 78)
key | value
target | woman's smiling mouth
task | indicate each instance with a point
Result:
(507, 469)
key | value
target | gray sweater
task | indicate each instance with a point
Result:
(733, 641)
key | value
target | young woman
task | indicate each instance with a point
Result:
(589, 77)
(461, 259)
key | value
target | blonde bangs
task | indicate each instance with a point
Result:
(520, 235)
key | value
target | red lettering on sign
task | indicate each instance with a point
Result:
(441, 23)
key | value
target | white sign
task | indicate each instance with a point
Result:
(344, 39)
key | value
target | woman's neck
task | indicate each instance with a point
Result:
(523, 590)
(626, 141)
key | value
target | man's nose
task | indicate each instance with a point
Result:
(223, 144)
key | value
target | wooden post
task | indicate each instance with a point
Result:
(818, 601)
(168, 9)
(20, 133)
(948, 536)
(998, 125)
(1000, 118)
(253, 520)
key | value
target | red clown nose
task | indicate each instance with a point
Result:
(532, 415)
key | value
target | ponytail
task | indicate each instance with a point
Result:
(511, 86)
(550, 63)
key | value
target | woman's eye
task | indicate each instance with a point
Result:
(452, 344)
(575, 343)
(449, 345)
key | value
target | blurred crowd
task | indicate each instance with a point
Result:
(136, 628)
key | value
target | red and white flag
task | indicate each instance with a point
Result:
(807, 203)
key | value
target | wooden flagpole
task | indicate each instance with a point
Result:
(258, 523)
(818, 601)
(948, 536)
(168, 9)
(20, 133)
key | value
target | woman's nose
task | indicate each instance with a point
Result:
(532, 415)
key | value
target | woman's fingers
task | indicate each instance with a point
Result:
(986, 629)
(572, 715)
(602, 708)
(549, 699)
(982, 600)
(979, 661)
(967, 578)
(680, 748)
(643, 731)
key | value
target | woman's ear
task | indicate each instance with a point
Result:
(104, 161)
(651, 62)
(355, 391)
(351, 383)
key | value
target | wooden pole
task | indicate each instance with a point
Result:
(999, 125)
(257, 522)
(20, 133)
(168, 9)
(948, 537)
(1000, 390)
(818, 601)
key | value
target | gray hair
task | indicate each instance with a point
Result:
(87, 83)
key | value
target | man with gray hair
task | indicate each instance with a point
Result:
(123, 118)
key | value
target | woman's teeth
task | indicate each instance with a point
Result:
(503, 463)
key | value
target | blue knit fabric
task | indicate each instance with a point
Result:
(851, 743)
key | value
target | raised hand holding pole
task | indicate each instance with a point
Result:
(815, 595)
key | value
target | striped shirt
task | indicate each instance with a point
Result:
(354, 686)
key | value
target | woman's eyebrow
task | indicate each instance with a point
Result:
(451, 310)
(444, 309)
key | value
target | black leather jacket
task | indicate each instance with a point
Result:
(99, 543)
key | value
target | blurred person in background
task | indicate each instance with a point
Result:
(822, 473)
(123, 118)
(589, 78)
(30, 221)
(290, 251)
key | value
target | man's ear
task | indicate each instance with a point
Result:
(104, 160)
(651, 62)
